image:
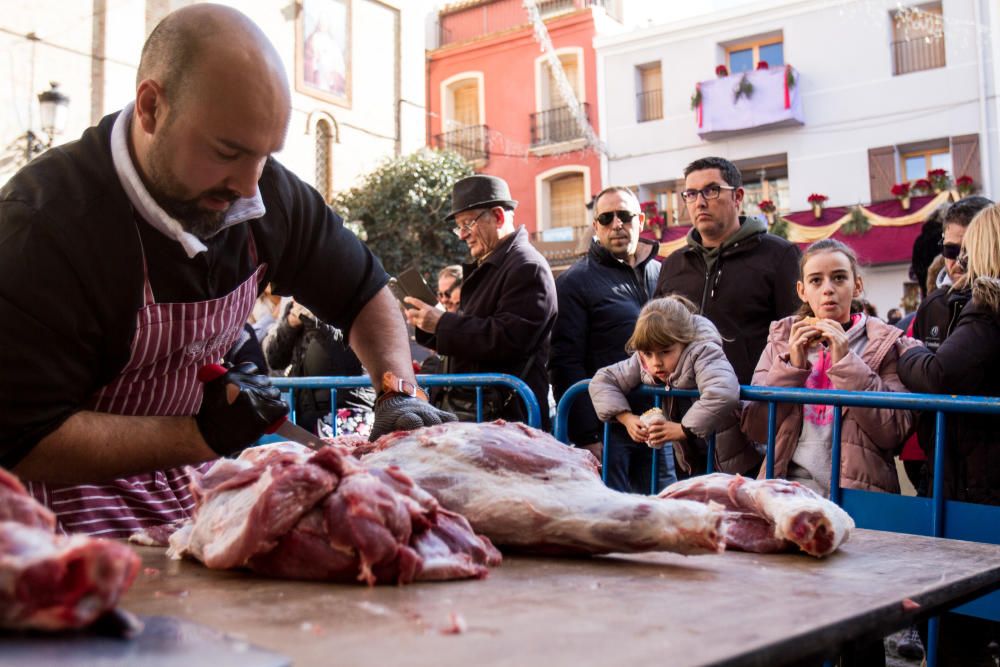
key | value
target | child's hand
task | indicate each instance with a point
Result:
(836, 338)
(636, 429)
(804, 333)
(663, 432)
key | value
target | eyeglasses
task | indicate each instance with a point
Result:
(467, 227)
(448, 292)
(608, 217)
(708, 192)
(950, 250)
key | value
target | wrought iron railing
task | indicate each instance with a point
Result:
(649, 105)
(554, 126)
(918, 54)
(471, 142)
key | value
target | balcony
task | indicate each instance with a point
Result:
(649, 105)
(483, 18)
(771, 99)
(553, 127)
(916, 55)
(471, 142)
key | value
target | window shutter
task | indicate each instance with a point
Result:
(882, 171)
(965, 158)
(682, 210)
(567, 201)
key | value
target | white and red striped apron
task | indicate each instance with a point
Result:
(172, 341)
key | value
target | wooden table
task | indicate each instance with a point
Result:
(656, 609)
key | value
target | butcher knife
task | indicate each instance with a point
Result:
(281, 427)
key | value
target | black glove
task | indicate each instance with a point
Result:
(400, 412)
(228, 426)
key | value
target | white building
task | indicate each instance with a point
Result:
(886, 94)
(339, 129)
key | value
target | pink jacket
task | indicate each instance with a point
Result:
(869, 436)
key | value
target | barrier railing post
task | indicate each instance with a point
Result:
(710, 465)
(937, 522)
(604, 452)
(772, 426)
(838, 420)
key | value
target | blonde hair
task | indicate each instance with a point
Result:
(829, 245)
(662, 323)
(981, 245)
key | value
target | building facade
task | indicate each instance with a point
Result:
(856, 97)
(356, 69)
(495, 97)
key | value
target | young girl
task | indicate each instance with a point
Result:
(673, 347)
(832, 344)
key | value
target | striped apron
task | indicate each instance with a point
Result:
(172, 341)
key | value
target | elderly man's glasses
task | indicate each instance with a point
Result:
(708, 192)
(608, 217)
(465, 228)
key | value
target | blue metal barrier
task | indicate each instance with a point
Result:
(935, 516)
(477, 380)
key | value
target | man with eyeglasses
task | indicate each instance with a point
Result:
(600, 297)
(508, 305)
(449, 291)
(741, 277)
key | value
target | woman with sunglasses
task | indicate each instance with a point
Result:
(967, 362)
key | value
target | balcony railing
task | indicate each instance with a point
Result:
(489, 17)
(917, 54)
(649, 105)
(471, 142)
(771, 100)
(554, 126)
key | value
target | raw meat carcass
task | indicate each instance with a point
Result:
(525, 490)
(49, 581)
(285, 511)
(767, 516)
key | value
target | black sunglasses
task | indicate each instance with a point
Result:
(950, 250)
(608, 217)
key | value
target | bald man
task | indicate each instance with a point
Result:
(130, 259)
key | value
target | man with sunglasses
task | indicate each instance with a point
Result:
(508, 305)
(740, 277)
(600, 297)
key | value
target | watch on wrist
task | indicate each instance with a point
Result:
(393, 385)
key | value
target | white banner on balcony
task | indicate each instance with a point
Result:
(764, 108)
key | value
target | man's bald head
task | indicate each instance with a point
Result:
(185, 40)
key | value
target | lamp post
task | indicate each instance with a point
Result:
(53, 108)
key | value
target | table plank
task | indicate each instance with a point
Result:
(733, 608)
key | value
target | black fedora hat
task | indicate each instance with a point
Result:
(480, 191)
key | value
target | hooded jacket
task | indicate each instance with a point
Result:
(702, 366)
(743, 286)
(966, 363)
(869, 436)
(600, 298)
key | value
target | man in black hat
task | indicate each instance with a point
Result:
(507, 309)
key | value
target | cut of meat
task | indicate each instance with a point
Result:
(49, 581)
(525, 490)
(766, 516)
(283, 510)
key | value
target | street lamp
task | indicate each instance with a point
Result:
(53, 108)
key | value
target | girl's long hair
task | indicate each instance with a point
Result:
(981, 246)
(829, 245)
(662, 323)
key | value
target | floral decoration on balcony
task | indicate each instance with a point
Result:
(939, 179)
(859, 222)
(921, 186)
(742, 89)
(817, 200)
(762, 64)
(901, 191)
(767, 206)
(721, 71)
(655, 222)
(696, 98)
(965, 185)
(789, 77)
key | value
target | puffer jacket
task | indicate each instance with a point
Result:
(869, 436)
(968, 363)
(702, 366)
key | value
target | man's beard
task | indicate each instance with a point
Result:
(165, 189)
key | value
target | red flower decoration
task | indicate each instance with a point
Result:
(937, 173)
(762, 64)
(921, 184)
(721, 71)
(964, 181)
(816, 198)
(767, 206)
(901, 189)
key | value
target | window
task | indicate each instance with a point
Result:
(324, 159)
(649, 99)
(551, 97)
(567, 201)
(466, 103)
(463, 126)
(916, 164)
(744, 56)
(765, 178)
(917, 38)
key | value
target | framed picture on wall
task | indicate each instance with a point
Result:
(323, 50)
